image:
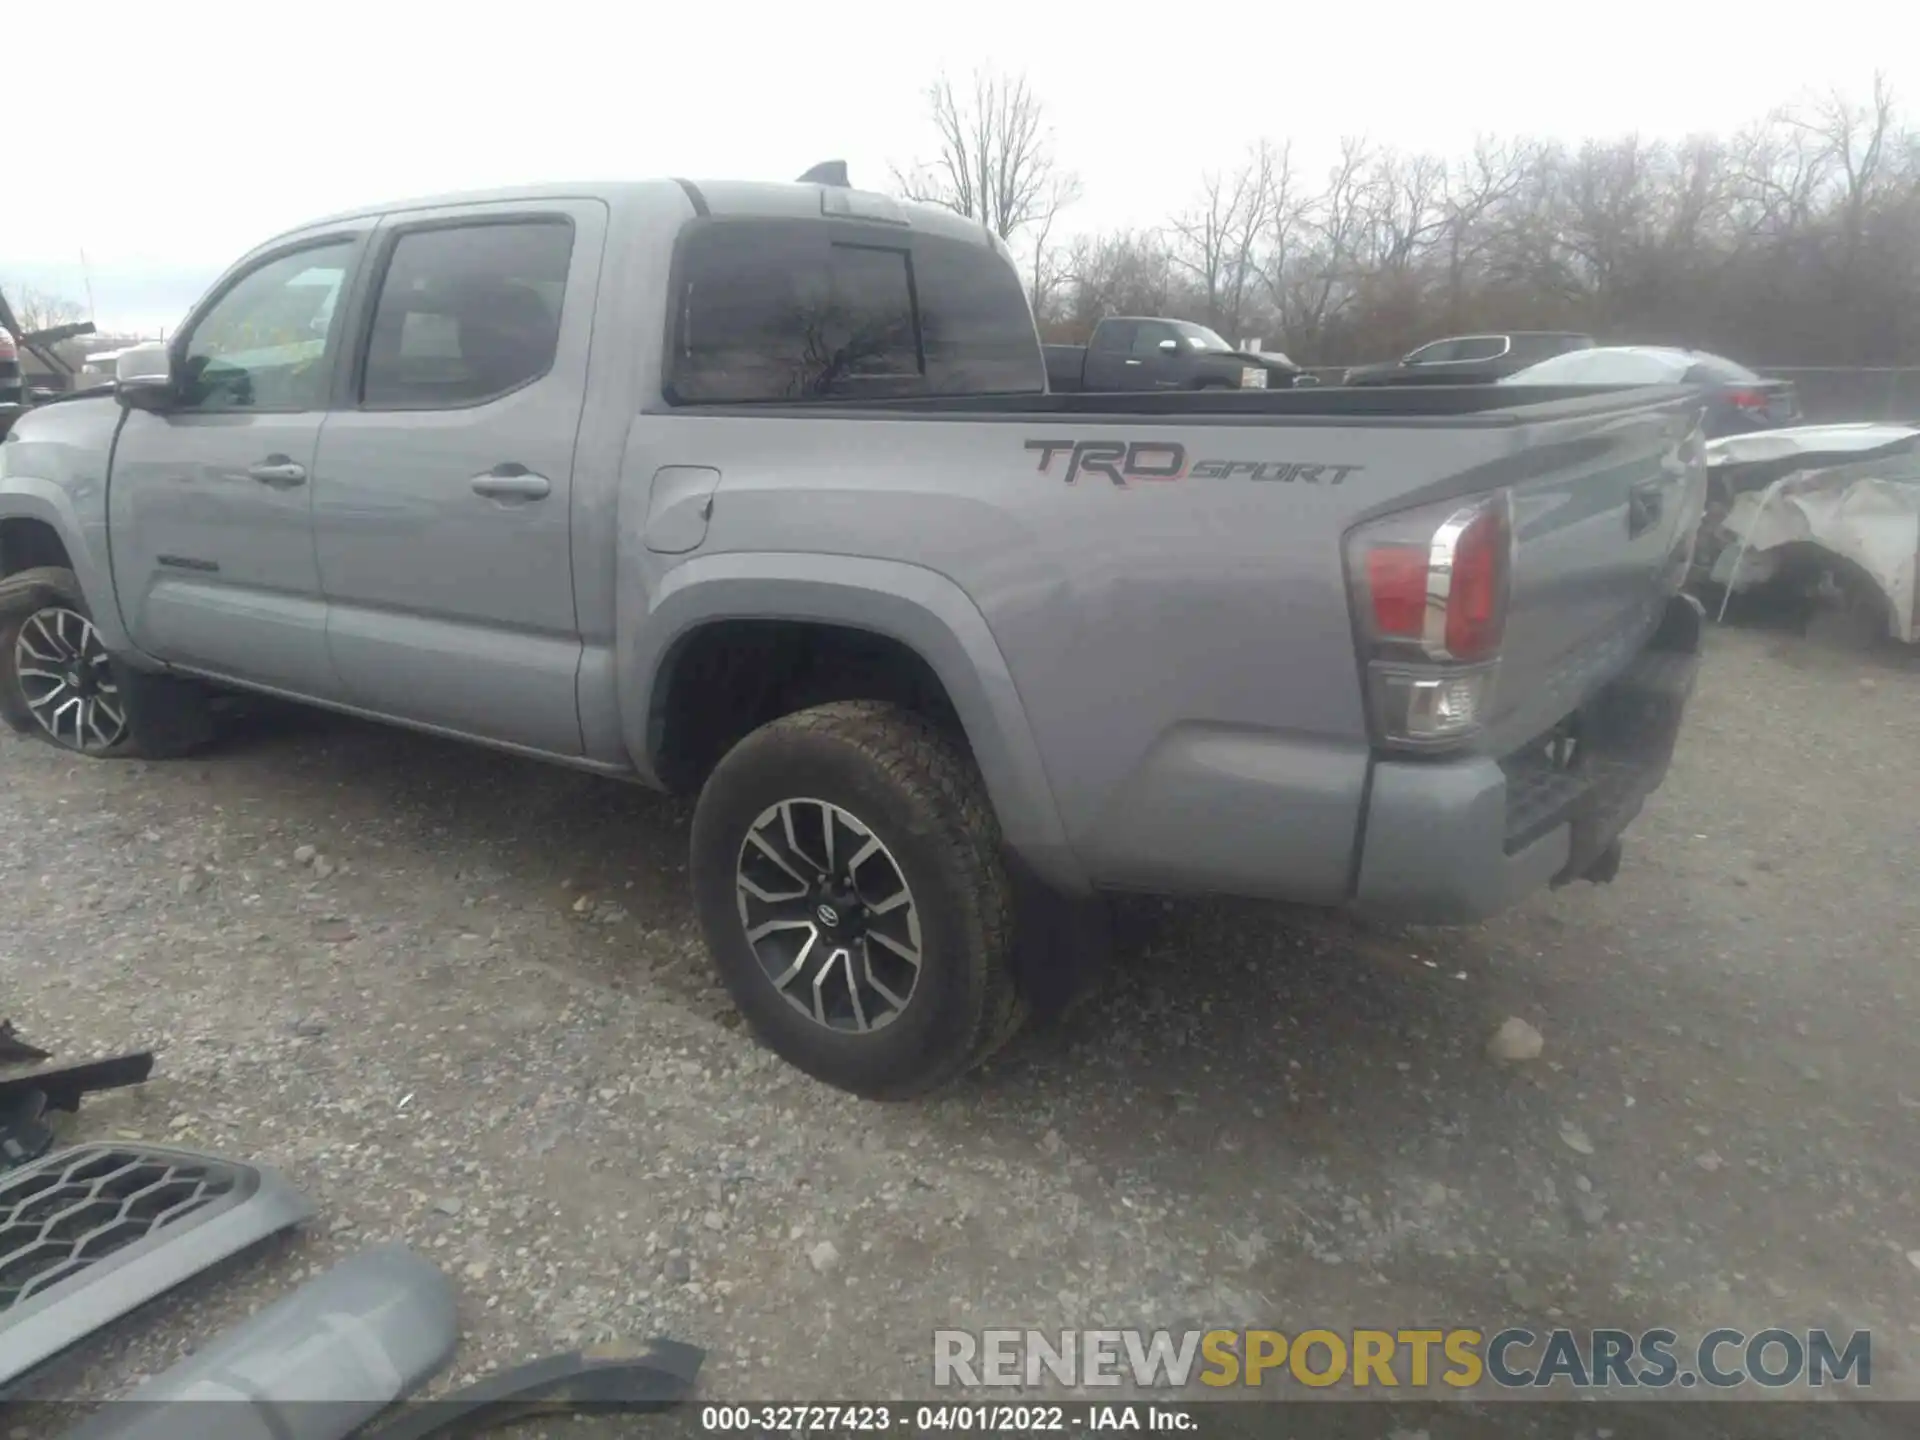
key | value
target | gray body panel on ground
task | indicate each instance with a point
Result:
(315, 1365)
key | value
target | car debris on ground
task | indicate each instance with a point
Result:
(91, 1233)
(1831, 512)
(26, 1098)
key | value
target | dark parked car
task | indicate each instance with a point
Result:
(12, 380)
(1134, 353)
(1738, 400)
(1470, 359)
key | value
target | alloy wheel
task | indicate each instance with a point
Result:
(66, 681)
(829, 915)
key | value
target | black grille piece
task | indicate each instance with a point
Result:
(92, 1233)
(85, 1205)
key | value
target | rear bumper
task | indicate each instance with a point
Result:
(1457, 841)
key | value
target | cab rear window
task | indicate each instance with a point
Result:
(795, 311)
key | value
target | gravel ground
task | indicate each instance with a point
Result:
(476, 1016)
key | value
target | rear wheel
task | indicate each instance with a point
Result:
(847, 874)
(57, 681)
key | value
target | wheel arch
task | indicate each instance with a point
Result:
(916, 608)
(37, 513)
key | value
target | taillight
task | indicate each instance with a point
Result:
(1432, 588)
(1476, 601)
(1397, 586)
(1748, 399)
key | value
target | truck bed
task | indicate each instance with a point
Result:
(1476, 404)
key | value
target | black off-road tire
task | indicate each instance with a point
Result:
(922, 798)
(165, 716)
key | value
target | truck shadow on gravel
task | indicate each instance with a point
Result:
(1239, 995)
(1226, 1028)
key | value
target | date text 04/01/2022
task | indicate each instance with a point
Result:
(963, 1419)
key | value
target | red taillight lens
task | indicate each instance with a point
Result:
(1444, 585)
(1748, 399)
(1430, 594)
(1477, 594)
(1397, 585)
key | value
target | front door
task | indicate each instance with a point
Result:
(1154, 368)
(442, 489)
(209, 503)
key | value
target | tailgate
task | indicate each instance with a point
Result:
(1601, 542)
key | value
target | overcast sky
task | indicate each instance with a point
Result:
(166, 139)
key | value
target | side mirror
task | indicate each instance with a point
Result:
(143, 377)
(1169, 347)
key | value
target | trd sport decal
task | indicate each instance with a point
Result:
(1123, 462)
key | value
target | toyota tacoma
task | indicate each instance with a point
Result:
(756, 492)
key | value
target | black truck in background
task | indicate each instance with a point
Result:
(1470, 359)
(1129, 352)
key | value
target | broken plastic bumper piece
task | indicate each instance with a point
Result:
(315, 1365)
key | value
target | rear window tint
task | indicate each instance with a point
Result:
(784, 310)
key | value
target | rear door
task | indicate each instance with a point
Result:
(210, 504)
(442, 491)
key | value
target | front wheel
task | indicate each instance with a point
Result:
(58, 683)
(847, 875)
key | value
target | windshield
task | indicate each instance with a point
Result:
(1200, 337)
(1605, 367)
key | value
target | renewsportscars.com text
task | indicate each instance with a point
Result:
(1513, 1358)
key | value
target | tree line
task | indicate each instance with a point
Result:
(1793, 240)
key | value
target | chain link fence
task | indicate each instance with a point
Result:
(1831, 393)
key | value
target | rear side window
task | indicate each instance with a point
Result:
(467, 313)
(1114, 337)
(1480, 347)
(782, 310)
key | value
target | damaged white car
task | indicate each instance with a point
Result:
(1830, 512)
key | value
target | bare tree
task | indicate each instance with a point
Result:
(1796, 239)
(1317, 283)
(1050, 264)
(37, 310)
(1124, 274)
(1478, 193)
(995, 161)
(1215, 241)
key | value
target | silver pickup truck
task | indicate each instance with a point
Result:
(755, 492)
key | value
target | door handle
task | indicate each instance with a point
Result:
(511, 482)
(278, 470)
(1130, 362)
